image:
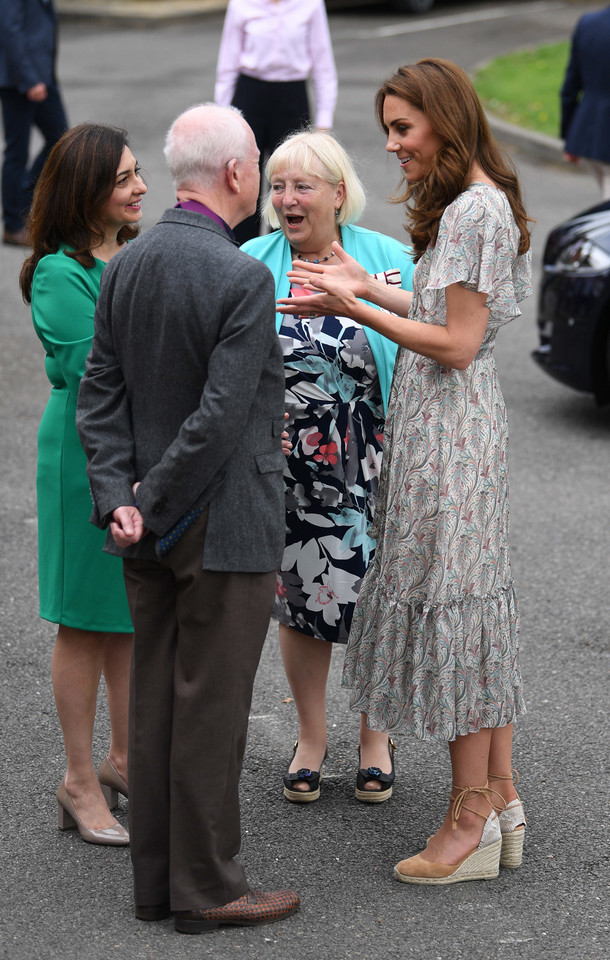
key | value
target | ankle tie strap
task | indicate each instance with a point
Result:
(514, 776)
(459, 802)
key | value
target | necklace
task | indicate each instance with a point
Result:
(299, 256)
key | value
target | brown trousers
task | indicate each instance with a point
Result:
(198, 637)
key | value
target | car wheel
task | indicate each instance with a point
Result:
(412, 6)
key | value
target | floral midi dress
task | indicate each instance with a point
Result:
(334, 403)
(433, 649)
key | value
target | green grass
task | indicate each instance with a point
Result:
(523, 87)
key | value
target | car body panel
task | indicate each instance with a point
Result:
(574, 303)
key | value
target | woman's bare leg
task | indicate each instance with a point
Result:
(307, 662)
(501, 764)
(117, 661)
(374, 752)
(469, 766)
(78, 658)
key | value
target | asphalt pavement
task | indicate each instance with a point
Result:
(62, 899)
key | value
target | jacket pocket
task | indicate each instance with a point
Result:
(270, 462)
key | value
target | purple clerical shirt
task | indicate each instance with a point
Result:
(201, 208)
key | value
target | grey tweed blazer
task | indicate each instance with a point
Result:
(184, 391)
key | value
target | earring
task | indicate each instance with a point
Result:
(337, 212)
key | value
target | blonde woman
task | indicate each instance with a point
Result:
(338, 378)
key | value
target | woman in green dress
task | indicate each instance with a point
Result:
(86, 206)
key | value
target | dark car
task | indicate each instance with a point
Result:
(574, 303)
(402, 6)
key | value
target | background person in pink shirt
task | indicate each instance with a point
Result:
(268, 50)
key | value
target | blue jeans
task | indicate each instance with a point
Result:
(18, 179)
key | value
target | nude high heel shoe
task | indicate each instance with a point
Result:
(115, 836)
(512, 825)
(111, 783)
(482, 863)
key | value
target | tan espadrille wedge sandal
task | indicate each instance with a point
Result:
(482, 863)
(512, 825)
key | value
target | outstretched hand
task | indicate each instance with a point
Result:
(334, 289)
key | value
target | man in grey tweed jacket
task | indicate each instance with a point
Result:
(181, 415)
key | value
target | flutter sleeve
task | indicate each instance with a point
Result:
(477, 246)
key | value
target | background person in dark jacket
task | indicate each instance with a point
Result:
(585, 97)
(30, 98)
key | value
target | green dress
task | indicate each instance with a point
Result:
(79, 585)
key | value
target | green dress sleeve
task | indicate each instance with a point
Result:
(64, 295)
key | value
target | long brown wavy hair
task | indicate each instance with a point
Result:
(75, 183)
(444, 93)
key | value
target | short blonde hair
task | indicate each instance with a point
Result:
(320, 155)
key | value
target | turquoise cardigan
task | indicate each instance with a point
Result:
(374, 251)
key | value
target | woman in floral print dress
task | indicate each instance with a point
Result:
(337, 384)
(433, 649)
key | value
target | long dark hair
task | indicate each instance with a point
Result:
(444, 93)
(76, 181)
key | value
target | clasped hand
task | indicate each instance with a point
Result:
(334, 288)
(127, 524)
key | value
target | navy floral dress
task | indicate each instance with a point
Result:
(333, 399)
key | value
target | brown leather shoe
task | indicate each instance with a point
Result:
(19, 238)
(253, 908)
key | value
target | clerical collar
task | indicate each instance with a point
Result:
(201, 208)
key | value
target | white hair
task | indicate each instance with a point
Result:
(319, 154)
(200, 143)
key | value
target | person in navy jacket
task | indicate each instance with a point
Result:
(585, 97)
(30, 98)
